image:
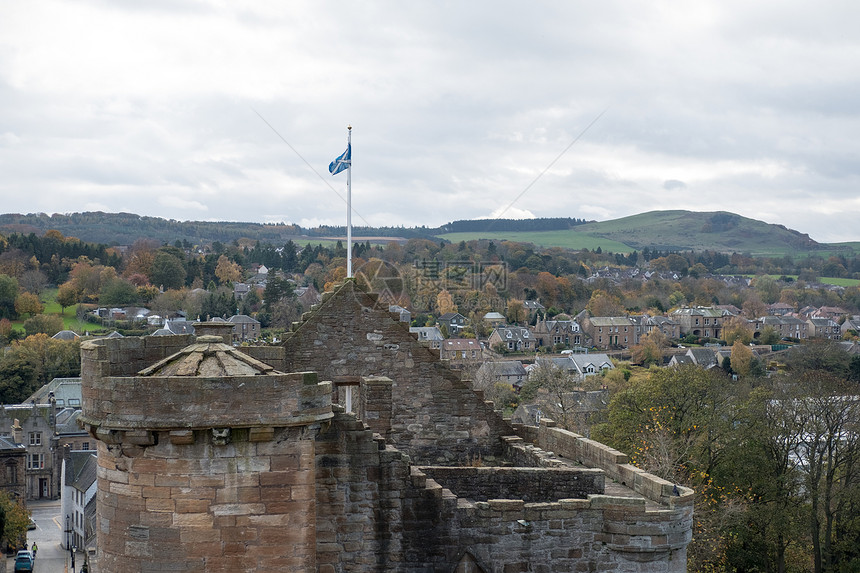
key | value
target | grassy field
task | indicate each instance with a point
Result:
(70, 320)
(565, 239)
(824, 280)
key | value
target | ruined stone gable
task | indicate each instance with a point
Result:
(430, 414)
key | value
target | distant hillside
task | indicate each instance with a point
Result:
(662, 230)
(697, 231)
(669, 231)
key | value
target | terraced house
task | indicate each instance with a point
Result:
(701, 321)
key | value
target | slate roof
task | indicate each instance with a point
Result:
(704, 357)
(63, 389)
(65, 335)
(7, 445)
(81, 469)
(506, 367)
(461, 344)
(427, 332)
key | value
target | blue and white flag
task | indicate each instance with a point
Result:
(343, 161)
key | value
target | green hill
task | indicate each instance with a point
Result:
(697, 231)
(673, 231)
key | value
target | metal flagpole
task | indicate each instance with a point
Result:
(349, 205)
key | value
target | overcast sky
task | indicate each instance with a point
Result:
(154, 107)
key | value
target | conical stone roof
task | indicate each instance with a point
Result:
(209, 357)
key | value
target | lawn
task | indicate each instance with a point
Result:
(70, 320)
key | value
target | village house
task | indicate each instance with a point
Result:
(459, 350)
(671, 329)
(824, 328)
(13, 460)
(78, 506)
(608, 332)
(506, 371)
(453, 322)
(580, 365)
(786, 326)
(551, 332)
(701, 321)
(431, 335)
(244, 327)
(512, 339)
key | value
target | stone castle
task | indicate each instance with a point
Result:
(350, 447)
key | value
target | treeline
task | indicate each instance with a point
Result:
(126, 228)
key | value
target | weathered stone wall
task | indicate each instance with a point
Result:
(204, 473)
(601, 533)
(360, 482)
(125, 356)
(435, 418)
(528, 484)
(191, 502)
(616, 464)
(375, 407)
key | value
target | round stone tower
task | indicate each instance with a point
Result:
(206, 457)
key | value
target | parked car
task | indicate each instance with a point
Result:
(24, 561)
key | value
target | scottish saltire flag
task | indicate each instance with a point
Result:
(343, 161)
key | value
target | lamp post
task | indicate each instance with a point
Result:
(73, 549)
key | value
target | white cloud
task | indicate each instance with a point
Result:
(458, 109)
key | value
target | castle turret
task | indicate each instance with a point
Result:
(206, 458)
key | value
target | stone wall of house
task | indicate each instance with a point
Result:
(434, 417)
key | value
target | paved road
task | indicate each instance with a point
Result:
(50, 558)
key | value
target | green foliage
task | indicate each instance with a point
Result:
(8, 294)
(118, 292)
(14, 519)
(167, 271)
(33, 362)
(49, 324)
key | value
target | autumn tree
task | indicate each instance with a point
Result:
(737, 328)
(14, 520)
(445, 302)
(49, 324)
(650, 348)
(551, 387)
(742, 357)
(604, 304)
(227, 271)
(28, 303)
(34, 361)
(68, 295)
(516, 312)
(753, 307)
